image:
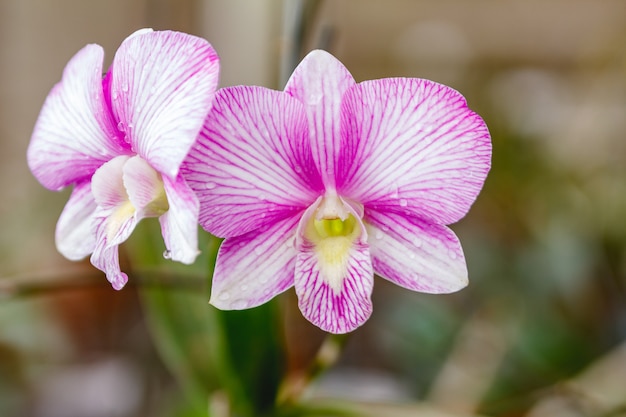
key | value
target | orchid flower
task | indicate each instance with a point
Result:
(330, 182)
(120, 140)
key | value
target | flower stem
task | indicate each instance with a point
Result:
(295, 385)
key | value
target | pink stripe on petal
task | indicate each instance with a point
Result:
(75, 231)
(161, 90)
(415, 254)
(412, 146)
(105, 256)
(252, 163)
(319, 82)
(179, 225)
(332, 309)
(253, 268)
(75, 132)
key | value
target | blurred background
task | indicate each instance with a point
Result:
(540, 330)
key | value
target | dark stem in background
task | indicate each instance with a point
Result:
(299, 22)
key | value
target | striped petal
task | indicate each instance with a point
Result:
(105, 256)
(253, 268)
(334, 276)
(179, 224)
(320, 82)
(115, 219)
(412, 146)
(75, 237)
(75, 132)
(332, 308)
(161, 90)
(415, 254)
(252, 163)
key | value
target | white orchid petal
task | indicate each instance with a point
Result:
(144, 187)
(162, 87)
(413, 146)
(415, 254)
(112, 228)
(253, 268)
(75, 132)
(319, 82)
(107, 184)
(179, 225)
(75, 238)
(252, 163)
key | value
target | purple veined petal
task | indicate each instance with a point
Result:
(112, 228)
(140, 32)
(179, 224)
(334, 276)
(75, 234)
(162, 87)
(253, 268)
(251, 165)
(319, 82)
(107, 260)
(335, 309)
(412, 146)
(75, 132)
(144, 187)
(415, 254)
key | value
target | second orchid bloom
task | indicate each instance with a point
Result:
(120, 140)
(330, 182)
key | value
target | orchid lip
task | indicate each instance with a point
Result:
(129, 187)
(332, 227)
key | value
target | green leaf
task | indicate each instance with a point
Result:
(182, 323)
(254, 349)
(239, 353)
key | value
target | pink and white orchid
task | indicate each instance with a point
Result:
(331, 181)
(120, 140)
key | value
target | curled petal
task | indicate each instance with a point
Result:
(75, 132)
(107, 184)
(412, 146)
(319, 82)
(162, 88)
(75, 234)
(253, 268)
(112, 228)
(179, 224)
(415, 254)
(252, 163)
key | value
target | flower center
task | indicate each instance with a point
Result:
(333, 229)
(127, 188)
